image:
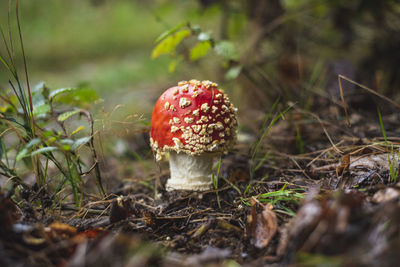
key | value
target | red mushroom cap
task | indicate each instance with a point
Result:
(195, 118)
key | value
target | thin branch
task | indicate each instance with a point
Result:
(95, 157)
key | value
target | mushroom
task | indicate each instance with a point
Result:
(194, 122)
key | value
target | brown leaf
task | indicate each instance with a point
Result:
(229, 227)
(262, 226)
(344, 165)
(91, 233)
(63, 228)
(58, 230)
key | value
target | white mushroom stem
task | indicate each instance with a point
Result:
(190, 172)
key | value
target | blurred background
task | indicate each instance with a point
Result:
(279, 44)
(258, 51)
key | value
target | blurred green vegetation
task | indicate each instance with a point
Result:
(106, 44)
(288, 43)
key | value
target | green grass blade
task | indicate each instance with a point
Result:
(382, 126)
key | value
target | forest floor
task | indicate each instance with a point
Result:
(316, 193)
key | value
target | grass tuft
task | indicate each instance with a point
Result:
(34, 131)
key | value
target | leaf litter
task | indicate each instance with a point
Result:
(335, 222)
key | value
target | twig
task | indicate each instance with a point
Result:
(95, 158)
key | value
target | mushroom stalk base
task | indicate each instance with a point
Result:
(190, 172)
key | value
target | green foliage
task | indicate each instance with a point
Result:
(200, 50)
(393, 156)
(280, 198)
(382, 126)
(79, 96)
(168, 33)
(280, 195)
(62, 117)
(214, 179)
(43, 150)
(41, 110)
(256, 163)
(28, 116)
(227, 50)
(169, 40)
(233, 72)
(60, 91)
(81, 141)
(48, 142)
(169, 43)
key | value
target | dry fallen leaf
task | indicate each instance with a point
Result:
(88, 234)
(262, 226)
(344, 165)
(59, 231)
(63, 229)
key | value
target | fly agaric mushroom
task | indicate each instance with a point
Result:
(194, 122)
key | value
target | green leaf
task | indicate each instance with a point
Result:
(44, 150)
(226, 50)
(41, 109)
(200, 50)
(67, 141)
(60, 91)
(38, 87)
(48, 133)
(79, 96)
(3, 150)
(146, 123)
(233, 72)
(5, 64)
(169, 43)
(80, 142)
(5, 108)
(169, 32)
(77, 130)
(172, 66)
(62, 117)
(23, 153)
(33, 142)
(40, 102)
(74, 178)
